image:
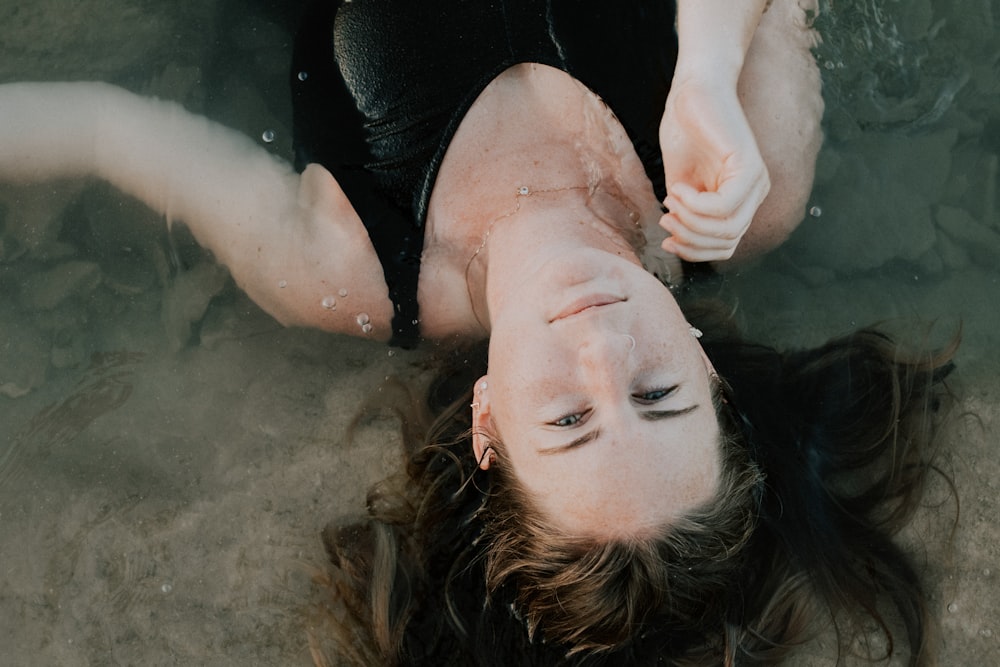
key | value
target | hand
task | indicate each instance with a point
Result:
(715, 175)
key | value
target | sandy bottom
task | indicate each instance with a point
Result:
(169, 454)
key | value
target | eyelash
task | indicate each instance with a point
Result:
(643, 399)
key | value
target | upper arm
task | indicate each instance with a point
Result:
(289, 240)
(314, 264)
(292, 241)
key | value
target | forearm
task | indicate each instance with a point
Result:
(714, 37)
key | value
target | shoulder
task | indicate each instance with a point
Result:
(322, 270)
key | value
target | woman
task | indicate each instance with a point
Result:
(516, 207)
(538, 186)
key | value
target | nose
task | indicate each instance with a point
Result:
(604, 354)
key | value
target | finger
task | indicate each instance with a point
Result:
(727, 199)
(683, 222)
(682, 237)
(694, 254)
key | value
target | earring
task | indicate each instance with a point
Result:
(695, 331)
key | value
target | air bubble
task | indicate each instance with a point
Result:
(952, 608)
(329, 302)
(815, 211)
(303, 76)
(282, 284)
(167, 587)
(342, 292)
(366, 328)
(268, 136)
(363, 319)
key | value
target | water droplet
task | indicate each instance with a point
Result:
(363, 319)
(268, 136)
(523, 191)
(952, 607)
(167, 587)
(282, 284)
(414, 322)
(342, 292)
(815, 211)
(829, 64)
(392, 353)
(986, 632)
(986, 572)
(329, 302)
(366, 328)
(303, 76)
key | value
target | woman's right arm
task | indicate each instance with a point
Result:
(289, 240)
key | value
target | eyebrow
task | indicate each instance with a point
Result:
(590, 436)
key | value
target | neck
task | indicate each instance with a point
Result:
(539, 228)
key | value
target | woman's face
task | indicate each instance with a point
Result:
(601, 396)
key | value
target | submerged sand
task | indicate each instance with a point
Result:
(169, 454)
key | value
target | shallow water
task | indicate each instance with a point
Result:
(168, 453)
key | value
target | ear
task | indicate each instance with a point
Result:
(481, 422)
(708, 362)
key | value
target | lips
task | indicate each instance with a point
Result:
(586, 303)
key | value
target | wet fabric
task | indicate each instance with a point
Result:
(380, 87)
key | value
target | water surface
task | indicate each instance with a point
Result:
(168, 453)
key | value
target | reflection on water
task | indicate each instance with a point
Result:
(168, 454)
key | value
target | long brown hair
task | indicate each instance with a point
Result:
(825, 455)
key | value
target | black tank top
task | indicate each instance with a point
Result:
(379, 88)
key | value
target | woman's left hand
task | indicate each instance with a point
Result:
(715, 175)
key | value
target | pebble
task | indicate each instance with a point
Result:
(186, 300)
(46, 290)
(12, 390)
(980, 241)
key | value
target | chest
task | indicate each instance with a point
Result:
(533, 127)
